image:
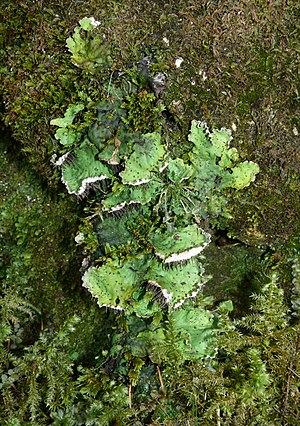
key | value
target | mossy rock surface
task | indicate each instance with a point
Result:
(230, 65)
(38, 254)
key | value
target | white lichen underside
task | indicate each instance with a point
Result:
(119, 206)
(84, 184)
(137, 182)
(187, 254)
(103, 305)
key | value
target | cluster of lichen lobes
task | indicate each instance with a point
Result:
(176, 194)
(88, 52)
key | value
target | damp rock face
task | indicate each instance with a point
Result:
(229, 66)
(175, 219)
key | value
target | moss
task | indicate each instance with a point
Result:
(236, 271)
(39, 259)
(239, 68)
(243, 76)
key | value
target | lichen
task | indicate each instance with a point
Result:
(239, 68)
(90, 51)
(180, 192)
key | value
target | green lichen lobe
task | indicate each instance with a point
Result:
(89, 51)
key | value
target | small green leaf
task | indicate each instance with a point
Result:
(176, 283)
(181, 244)
(68, 117)
(115, 283)
(242, 175)
(123, 195)
(74, 356)
(86, 24)
(145, 159)
(195, 331)
(178, 171)
(84, 170)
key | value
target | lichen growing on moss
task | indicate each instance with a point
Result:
(239, 69)
(233, 65)
(122, 280)
(89, 51)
